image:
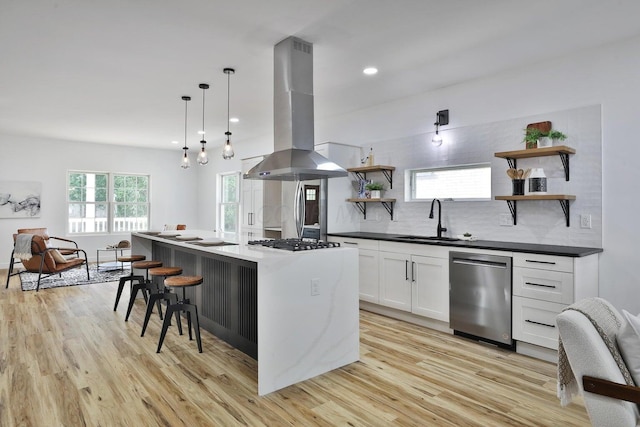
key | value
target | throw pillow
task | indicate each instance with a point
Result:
(57, 256)
(628, 339)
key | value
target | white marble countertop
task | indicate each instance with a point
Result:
(240, 249)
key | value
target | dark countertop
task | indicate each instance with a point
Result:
(571, 251)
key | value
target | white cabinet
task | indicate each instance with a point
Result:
(543, 285)
(395, 280)
(252, 197)
(368, 262)
(430, 289)
(415, 278)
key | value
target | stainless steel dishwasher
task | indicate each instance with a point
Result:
(480, 297)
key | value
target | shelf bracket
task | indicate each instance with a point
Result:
(565, 209)
(389, 207)
(513, 207)
(564, 157)
(513, 163)
(363, 208)
(361, 176)
(389, 175)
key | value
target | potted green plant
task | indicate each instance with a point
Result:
(556, 135)
(375, 189)
(531, 137)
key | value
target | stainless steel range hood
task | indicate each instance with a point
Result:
(294, 158)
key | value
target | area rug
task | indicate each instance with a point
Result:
(76, 276)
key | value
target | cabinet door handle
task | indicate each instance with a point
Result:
(539, 284)
(413, 271)
(351, 243)
(406, 269)
(540, 262)
(539, 323)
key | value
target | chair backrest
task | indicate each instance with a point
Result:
(42, 231)
(589, 355)
(38, 248)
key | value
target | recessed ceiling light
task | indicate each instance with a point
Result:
(174, 142)
(234, 120)
(370, 71)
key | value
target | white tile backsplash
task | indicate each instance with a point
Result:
(538, 221)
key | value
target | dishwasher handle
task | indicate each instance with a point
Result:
(480, 263)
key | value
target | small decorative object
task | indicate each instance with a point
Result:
(534, 131)
(362, 191)
(537, 181)
(531, 137)
(556, 136)
(544, 141)
(518, 187)
(375, 189)
(370, 157)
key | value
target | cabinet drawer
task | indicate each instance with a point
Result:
(543, 262)
(535, 321)
(355, 243)
(546, 285)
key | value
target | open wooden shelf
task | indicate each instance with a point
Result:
(564, 200)
(361, 172)
(559, 150)
(362, 205)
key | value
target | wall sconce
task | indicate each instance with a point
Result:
(442, 118)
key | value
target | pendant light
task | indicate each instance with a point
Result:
(203, 159)
(227, 151)
(185, 159)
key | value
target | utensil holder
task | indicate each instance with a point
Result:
(518, 187)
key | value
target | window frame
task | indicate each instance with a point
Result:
(410, 182)
(110, 202)
(221, 203)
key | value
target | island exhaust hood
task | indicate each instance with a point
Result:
(294, 158)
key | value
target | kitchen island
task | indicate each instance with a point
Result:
(295, 312)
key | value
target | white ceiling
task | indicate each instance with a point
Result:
(114, 71)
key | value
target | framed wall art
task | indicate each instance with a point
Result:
(20, 199)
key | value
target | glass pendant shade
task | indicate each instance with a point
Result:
(203, 159)
(186, 163)
(227, 150)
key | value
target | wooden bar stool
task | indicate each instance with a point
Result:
(191, 310)
(147, 287)
(130, 278)
(159, 294)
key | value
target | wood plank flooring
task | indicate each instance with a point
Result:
(67, 359)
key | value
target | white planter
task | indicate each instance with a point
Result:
(544, 142)
(375, 194)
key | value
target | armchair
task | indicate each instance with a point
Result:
(593, 353)
(46, 260)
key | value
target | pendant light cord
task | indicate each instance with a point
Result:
(228, 100)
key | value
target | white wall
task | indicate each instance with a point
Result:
(606, 76)
(173, 190)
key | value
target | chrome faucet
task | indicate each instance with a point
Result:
(440, 229)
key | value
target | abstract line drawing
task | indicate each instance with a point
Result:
(19, 199)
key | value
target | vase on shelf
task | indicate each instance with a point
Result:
(544, 142)
(376, 194)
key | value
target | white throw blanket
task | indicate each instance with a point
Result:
(22, 248)
(607, 324)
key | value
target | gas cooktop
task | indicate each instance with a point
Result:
(295, 244)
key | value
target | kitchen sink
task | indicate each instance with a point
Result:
(428, 238)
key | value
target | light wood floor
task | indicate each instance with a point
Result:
(66, 359)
